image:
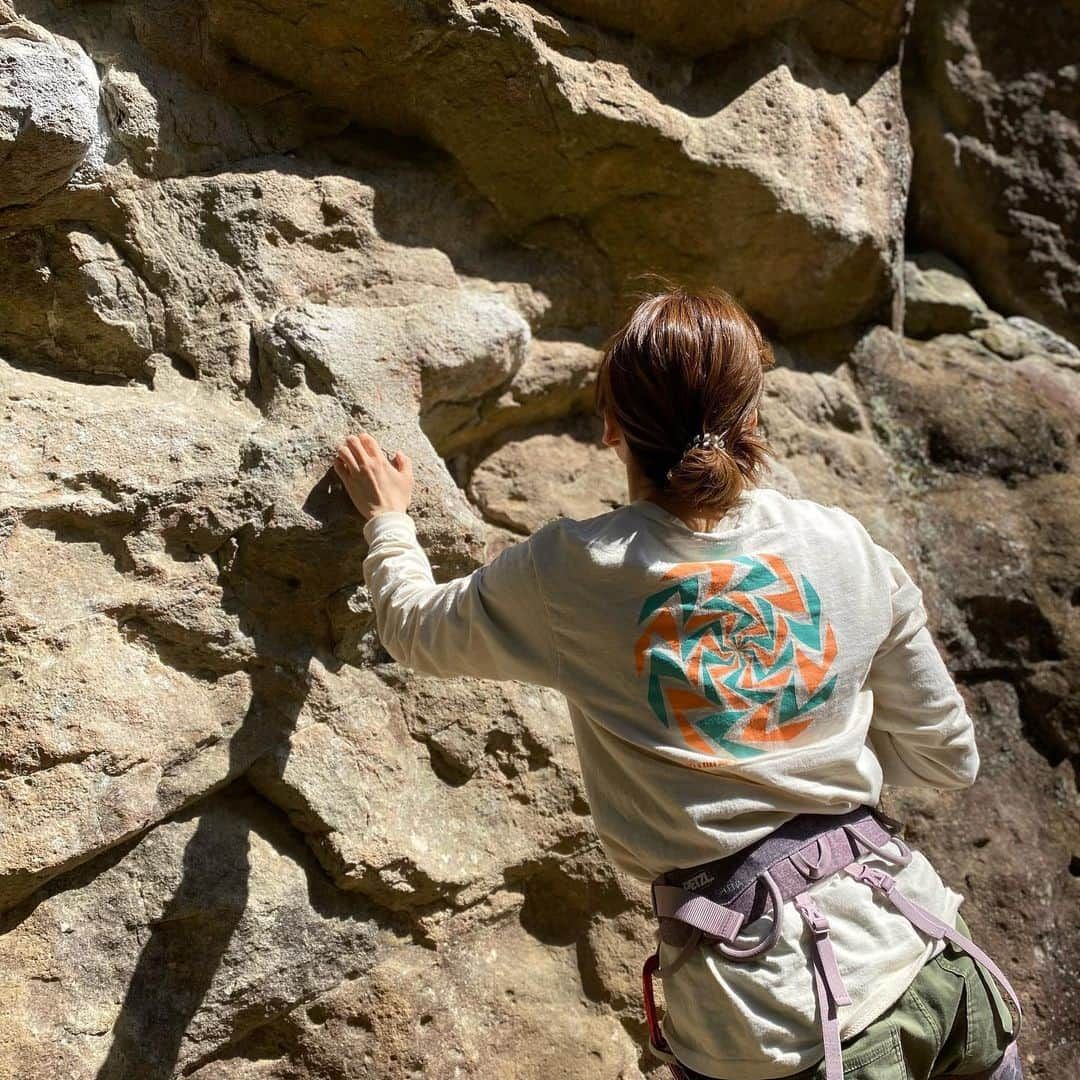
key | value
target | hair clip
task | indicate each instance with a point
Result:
(711, 439)
(707, 438)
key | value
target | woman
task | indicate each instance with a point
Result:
(732, 658)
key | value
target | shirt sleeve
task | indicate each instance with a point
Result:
(920, 731)
(490, 624)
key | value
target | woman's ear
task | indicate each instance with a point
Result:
(611, 431)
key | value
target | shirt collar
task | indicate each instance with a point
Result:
(729, 523)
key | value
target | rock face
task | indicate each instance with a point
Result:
(236, 839)
(51, 129)
(163, 952)
(993, 99)
(649, 154)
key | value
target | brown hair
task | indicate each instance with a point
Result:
(684, 363)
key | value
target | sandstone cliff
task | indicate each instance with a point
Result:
(236, 839)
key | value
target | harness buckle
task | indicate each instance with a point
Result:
(812, 915)
(872, 875)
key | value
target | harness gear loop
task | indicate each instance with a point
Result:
(812, 870)
(879, 849)
(684, 954)
(703, 915)
(769, 939)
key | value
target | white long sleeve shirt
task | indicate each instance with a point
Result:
(718, 683)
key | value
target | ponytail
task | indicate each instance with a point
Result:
(683, 377)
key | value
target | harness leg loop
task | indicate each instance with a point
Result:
(829, 989)
(931, 925)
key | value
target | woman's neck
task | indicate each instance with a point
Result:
(639, 487)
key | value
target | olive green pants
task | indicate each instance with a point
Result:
(951, 1021)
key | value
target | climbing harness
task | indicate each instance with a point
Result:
(713, 901)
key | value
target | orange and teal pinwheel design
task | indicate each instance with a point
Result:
(737, 654)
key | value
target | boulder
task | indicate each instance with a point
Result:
(183, 538)
(796, 157)
(434, 1012)
(141, 700)
(51, 130)
(74, 304)
(552, 472)
(939, 298)
(954, 405)
(422, 794)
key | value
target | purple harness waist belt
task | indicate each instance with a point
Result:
(716, 899)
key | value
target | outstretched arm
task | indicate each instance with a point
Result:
(921, 731)
(492, 624)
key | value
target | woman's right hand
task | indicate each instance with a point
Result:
(374, 482)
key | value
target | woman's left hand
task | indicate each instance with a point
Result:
(373, 481)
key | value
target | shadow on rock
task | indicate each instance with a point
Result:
(186, 943)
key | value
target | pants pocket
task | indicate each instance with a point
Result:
(987, 1023)
(1004, 1024)
(880, 1056)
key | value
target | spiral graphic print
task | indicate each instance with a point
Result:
(737, 654)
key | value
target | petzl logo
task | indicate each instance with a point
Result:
(698, 881)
